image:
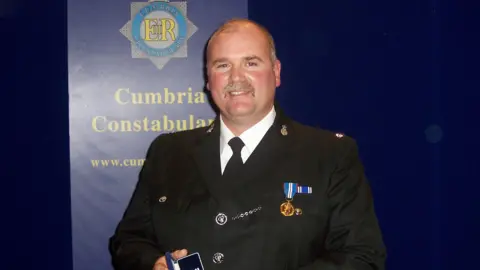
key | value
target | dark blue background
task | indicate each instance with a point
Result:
(380, 71)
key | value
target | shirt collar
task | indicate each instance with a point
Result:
(252, 136)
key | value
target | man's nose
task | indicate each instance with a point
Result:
(236, 74)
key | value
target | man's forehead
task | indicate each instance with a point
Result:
(246, 54)
(238, 29)
(246, 57)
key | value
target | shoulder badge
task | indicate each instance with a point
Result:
(339, 135)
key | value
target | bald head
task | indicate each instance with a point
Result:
(235, 25)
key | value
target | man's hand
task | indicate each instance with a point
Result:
(161, 264)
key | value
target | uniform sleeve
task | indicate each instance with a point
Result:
(354, 240)
(133, 245)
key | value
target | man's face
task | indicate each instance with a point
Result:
(241, 75)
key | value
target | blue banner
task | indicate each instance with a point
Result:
(135, 71)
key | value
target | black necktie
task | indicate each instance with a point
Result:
(235, 163)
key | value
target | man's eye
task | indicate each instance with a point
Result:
(222, 66)
(252, 64)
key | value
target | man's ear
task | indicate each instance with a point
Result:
(277, 66)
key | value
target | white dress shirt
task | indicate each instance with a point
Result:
(251, 138)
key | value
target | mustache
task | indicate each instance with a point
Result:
(238, 86)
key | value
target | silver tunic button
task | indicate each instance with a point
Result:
(218, 257)
(221, 219)
(162, 199)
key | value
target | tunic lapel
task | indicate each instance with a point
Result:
(206, 155)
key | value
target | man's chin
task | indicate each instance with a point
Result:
(240, 111)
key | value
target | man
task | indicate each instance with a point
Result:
(255, 190)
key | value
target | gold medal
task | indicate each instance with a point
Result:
(287, 209)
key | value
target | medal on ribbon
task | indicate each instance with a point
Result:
(290, 189)
(287, 209)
